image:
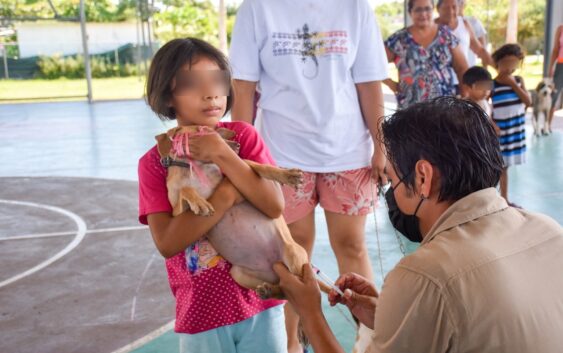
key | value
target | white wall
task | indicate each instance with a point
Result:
(48, 38)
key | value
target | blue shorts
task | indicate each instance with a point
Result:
(264, 332)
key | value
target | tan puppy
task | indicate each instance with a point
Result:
(245, 237)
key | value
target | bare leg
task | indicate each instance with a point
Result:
(303, 232)
(347, 239)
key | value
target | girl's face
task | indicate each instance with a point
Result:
(421, 13)
(199, 93)
(508, 65)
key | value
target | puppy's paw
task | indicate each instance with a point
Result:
(264, 291)
(201, 207)
(292, 177)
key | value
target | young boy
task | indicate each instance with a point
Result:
(478, 83)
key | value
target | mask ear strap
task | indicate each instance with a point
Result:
(422, 198)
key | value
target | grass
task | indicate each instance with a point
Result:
(12, 91)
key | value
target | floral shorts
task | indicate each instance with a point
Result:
(349, 192)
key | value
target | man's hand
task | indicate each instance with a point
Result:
(360, 296)
(303, 294)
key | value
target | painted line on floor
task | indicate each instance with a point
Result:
(80, 233)
(60, 234)
(146, 339)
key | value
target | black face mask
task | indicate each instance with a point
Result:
(405, 224)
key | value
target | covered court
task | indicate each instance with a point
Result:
(80, 274)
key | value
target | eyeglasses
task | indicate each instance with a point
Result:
(212, 83)
(421, 10)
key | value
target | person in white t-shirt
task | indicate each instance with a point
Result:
(318, 65)
(478, 30)
(448, 11)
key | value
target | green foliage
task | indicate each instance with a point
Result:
(96, 11)
(56, 66)
(494, 15)
(389, 17)
(179, 19)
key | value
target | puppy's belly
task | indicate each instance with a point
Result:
(246, 237)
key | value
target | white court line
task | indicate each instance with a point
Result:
(59, 234)
(134, 303)
(80, 233)
(146, 339)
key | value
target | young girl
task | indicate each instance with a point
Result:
(189, 81)
(510, 100)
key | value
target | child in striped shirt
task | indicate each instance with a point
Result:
(510, 100)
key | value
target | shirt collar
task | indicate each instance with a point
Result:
(469, 208)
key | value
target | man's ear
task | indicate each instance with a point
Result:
(163, 145)
(425, 178)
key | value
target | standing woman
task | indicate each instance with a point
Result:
(318, 65)
(427, 55)
(556, 73)
(449, 16)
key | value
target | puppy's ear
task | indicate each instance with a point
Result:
(172, 132)
(540, 86)
(163, 145)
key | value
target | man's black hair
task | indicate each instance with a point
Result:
(454, 135)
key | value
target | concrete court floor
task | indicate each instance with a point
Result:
(79, 274)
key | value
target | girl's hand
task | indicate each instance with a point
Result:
(229, 192)
(506, 80)
(303, 294)
(360, 296)
(209, 147)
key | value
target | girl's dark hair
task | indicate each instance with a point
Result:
(454, 135)
(508, 50)
(410, 4)
(165, 65)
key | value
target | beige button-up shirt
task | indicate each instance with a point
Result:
(486, 278)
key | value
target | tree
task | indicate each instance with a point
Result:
(179, 19)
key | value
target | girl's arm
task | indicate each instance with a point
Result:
(243, 107)
(265, 195)
(172, 235)
(521, 91)
(554, 53)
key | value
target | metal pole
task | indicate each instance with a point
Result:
(222, 26)
(5, 51)
(548, 35)
(143, 37)
(138, 51)
(85, 51)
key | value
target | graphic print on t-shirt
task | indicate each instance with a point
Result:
(201, 256)
(310, 46)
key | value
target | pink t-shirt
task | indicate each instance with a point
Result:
(206, 295)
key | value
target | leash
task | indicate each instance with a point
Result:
(375, 197)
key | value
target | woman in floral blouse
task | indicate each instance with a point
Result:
(427, 56)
